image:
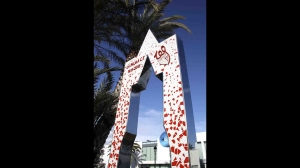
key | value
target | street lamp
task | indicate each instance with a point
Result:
(155, 156)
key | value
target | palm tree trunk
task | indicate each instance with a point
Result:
(118, 86)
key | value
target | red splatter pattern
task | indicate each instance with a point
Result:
(174, 117)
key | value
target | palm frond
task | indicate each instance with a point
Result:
(173, 26)
(101, 58)
(171, 18)
(109, 54)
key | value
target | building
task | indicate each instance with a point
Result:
(161, 159)
(201, 146)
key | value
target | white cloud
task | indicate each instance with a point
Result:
(153, 113)
(150, 125)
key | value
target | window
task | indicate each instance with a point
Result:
(149, 152)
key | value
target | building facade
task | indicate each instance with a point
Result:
(201, 147)
(161, 158)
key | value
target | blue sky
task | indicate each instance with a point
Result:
(150, 125)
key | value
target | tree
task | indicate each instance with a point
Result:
(191, 146)
(105, 28)
(136, 148)
(136, 155)
(104, 103)
(136, 159)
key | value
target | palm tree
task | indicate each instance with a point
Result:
(104, 102)
(136, 159)
(107, 16)
(191, 146)
(106, 32)
(136, 155)
(135, 148)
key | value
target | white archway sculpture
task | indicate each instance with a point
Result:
(168, 61)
